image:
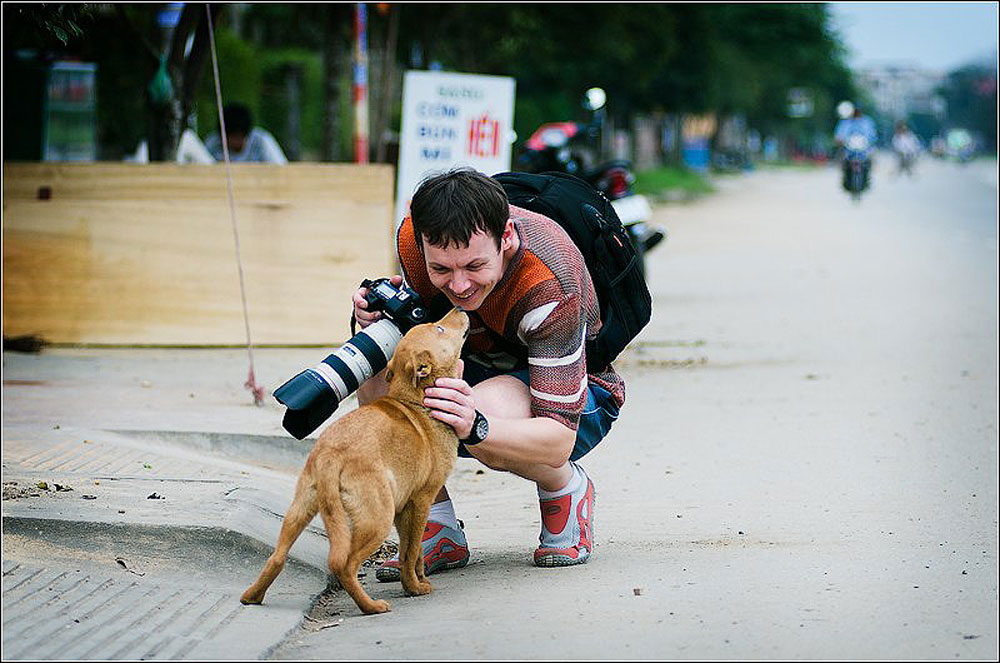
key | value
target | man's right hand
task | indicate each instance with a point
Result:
(361, 312)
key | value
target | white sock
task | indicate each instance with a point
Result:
(574, 484)
(444, 513)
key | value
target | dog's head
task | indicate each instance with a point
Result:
(428, 352)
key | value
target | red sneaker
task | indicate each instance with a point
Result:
(567, 536)
(444, 548)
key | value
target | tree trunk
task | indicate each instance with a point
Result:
(332, 61)
(387, 98)
(167, 111)
(163, 132)
(293, 92)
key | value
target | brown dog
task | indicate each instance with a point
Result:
(381, 464)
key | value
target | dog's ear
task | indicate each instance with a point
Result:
(389, 370)
(420, 366)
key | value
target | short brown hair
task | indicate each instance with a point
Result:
(449, 207)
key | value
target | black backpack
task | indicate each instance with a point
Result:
(615, 268)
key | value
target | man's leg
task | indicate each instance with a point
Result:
(506, 397)
(565, 493)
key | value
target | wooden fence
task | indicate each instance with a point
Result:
(144, 254)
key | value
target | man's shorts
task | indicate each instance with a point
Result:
(599, 412)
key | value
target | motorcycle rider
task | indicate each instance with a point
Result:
(907, 146)
(855, 122)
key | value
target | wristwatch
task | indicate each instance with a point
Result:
(480, 429)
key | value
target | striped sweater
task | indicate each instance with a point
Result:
(538, 315)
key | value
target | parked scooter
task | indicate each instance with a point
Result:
(572, 147)
(857, 165)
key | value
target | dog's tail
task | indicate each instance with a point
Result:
(335, 518)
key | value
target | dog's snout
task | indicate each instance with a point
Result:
(457, 317)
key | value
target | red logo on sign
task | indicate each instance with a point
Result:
(484, 136)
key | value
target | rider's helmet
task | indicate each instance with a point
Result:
(845, 109)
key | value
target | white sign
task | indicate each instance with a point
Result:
(452, 120)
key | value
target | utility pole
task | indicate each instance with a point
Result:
(360, 84)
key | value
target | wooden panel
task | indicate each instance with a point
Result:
(145, 254)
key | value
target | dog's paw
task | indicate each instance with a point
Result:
(378, 607)
(419, 589)
(250, 598)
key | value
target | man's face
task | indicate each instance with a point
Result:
(235, 140)
(467, 274)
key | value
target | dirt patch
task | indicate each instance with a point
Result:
(12, 490)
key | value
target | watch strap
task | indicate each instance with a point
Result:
(473, 438)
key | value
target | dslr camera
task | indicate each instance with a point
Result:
(314, 394)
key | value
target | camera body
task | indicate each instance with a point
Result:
(402, 305)
(314, 394)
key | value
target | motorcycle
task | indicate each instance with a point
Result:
(906, 161)
(569, 147)
(857, 165)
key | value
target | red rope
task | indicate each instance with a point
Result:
(251, 383)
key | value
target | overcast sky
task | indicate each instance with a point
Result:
(935, 35)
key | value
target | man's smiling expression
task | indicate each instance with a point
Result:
(467, 274)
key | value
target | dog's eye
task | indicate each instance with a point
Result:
(440, 328)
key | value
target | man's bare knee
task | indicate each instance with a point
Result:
(503, 396)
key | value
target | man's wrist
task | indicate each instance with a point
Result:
(480, 429)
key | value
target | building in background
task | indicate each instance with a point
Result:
(906, 93)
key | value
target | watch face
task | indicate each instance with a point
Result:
(482, 428)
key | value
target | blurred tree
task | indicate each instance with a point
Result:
(325, 29)
(676, 58)
(177, 58)
(34, 36)
(45, 24)
(765, 50)
(971, 95)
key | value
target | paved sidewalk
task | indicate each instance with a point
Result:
(163, 493)
(144, 533)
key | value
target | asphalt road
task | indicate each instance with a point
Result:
(806, 465)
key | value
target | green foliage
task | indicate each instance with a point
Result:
(45, 24)
(660, 181)
(257, 77)
(240, 80)
(678, 58)
(690, 58)
(274, 65)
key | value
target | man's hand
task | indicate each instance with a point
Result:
(361, 312)
(450, 401)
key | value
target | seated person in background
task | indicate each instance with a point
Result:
(246, 142)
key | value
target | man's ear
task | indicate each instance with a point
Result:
(507, 237)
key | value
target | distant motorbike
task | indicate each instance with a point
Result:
(857, 165)
(905, 161)
(568, 147)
